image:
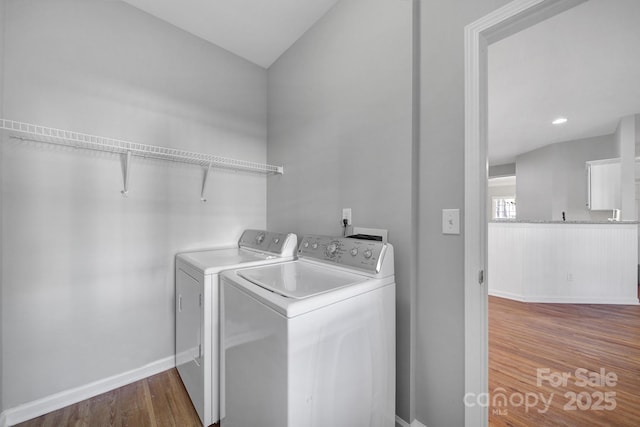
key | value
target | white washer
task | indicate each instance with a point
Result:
(311, 342)
(197, 310)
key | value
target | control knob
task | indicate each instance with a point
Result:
(305, 244)
(331, 250)
(276, 240)
(354, 251)
(260, 238)
(314, 245)
(367, 253)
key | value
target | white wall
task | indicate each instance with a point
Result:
(2, 27)
(87, 275)
(507, 169)
(625, 138)
(340, 106)
(637, 138)
(534, 173)
(440, 292)
(553, 179)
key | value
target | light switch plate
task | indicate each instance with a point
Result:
(450, 221)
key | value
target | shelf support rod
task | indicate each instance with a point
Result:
(125, 173)
(207, 172)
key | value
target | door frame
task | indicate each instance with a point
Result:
(501, 23)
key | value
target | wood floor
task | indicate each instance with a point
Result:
(578, 341)
(157, 401)
(522, 339)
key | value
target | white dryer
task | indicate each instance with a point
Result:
(197, 310)
(311, 342)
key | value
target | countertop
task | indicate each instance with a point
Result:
(524, 221)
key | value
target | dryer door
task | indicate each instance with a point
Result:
(189, 337)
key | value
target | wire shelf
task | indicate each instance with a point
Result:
(93, 142)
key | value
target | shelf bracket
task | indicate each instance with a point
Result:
(125, 173)
(207, 172)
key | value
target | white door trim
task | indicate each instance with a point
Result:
(505, 21)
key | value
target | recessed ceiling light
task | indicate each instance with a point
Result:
(559, 121)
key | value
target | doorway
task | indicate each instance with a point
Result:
(514, 17)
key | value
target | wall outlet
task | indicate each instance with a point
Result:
(346, 214)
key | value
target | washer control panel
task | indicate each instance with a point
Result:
(361, 254)
(263, 241)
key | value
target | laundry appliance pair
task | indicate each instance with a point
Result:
(268, 339)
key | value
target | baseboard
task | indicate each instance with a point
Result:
(585, 300)
(402, 423)
(39, 407)
(507, 295)
(565, 300)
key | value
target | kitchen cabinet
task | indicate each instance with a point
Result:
(603, 185)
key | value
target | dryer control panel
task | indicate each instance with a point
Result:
(361, 254)
(266, 241)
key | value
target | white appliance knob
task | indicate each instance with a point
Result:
(259, 238)
(314, 246)
(354, 251)
(276, 240)
(367, 253)
(305, 244)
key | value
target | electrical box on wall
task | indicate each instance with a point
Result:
(346, 216)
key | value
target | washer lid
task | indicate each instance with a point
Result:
(214, 261)
(299, 280)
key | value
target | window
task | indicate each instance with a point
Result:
(504, 208)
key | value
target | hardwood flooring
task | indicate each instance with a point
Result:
(522, 339)
(158, 401)
(598, 342)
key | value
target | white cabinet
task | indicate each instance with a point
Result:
(603, 181)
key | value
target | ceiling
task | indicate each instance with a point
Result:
(257, 30)
(583, 64)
